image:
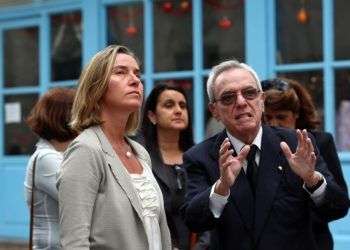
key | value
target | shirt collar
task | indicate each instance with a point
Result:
(238, 145)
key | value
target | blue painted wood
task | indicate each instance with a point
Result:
(198, 85)
(148, 48)
(328, 72)
(256, 36)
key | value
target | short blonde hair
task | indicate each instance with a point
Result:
(92, 85)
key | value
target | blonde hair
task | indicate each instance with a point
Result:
(92, 85)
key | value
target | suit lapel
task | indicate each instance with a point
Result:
(269, 177)
(241, 195)
(118, 170)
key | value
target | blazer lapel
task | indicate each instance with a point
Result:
(269, 177)
(119, 172)
(241, 195)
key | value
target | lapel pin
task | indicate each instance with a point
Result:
(280, 168)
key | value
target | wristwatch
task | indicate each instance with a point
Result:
(315, 187)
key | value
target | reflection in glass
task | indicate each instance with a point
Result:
(66, 34)
(21, 57)
(342, 101)
(125, 27)
(185, 84)
(19, 139)
(223, 31)
(341, 34)
(313, 81)
(172, 35)
(299, 31)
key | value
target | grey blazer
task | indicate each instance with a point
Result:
(98, 205)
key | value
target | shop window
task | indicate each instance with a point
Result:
(313, 81)
(341, 34)
(223, 31)
(299, 31)
(342, 100)
(66, 35)
(125, 27)
(21, 57)
(18, 137)
(172, 35)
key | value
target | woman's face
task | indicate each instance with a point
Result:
(171, 111)
(280, 118)
(125, 90)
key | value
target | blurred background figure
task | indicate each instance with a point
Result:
(288, 104)
(108, 196)
(49, 120)
(167, 133)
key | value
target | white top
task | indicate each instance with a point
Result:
(45, 233)
(150, 206)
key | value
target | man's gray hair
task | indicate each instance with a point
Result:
(224, 66)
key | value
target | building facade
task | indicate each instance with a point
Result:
(45, 44)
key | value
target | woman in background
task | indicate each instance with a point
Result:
(49, 120)
(108, 196)
(167, 133)
(288, 104)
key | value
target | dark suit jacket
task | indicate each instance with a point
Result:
(173, 200)
(281, 217)
(325, 144)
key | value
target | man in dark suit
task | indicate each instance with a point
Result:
(255, 186)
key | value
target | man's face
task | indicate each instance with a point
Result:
(239, 104)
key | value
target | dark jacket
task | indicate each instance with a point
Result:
(174, 195)
(326, 146)
(279, 218)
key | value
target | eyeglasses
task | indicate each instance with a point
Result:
(229, 98)
(276, 83)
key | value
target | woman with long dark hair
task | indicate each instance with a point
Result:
(167, 133)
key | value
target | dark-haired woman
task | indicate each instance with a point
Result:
(289, 104)
(167, 134)
(49, 120)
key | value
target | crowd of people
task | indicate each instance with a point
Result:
(112, 172)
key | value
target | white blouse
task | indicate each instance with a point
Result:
(150, 207)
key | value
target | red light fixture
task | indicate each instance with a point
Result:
(167, 7)
(131, 31)
(225, 23)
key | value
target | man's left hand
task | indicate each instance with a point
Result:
(303, 161)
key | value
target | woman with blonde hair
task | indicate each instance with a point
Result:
(108, 197)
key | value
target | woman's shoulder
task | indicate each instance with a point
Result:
(46, 150)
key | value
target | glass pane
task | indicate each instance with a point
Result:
(18, 137)
(342, 100)
(186, 84)
(299, 31)
(341, 34)
(223, 31)
(125, 27)
(313, 81)
(172, 35)
(66, 35)
(21, 57)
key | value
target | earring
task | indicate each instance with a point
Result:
(154, 122)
